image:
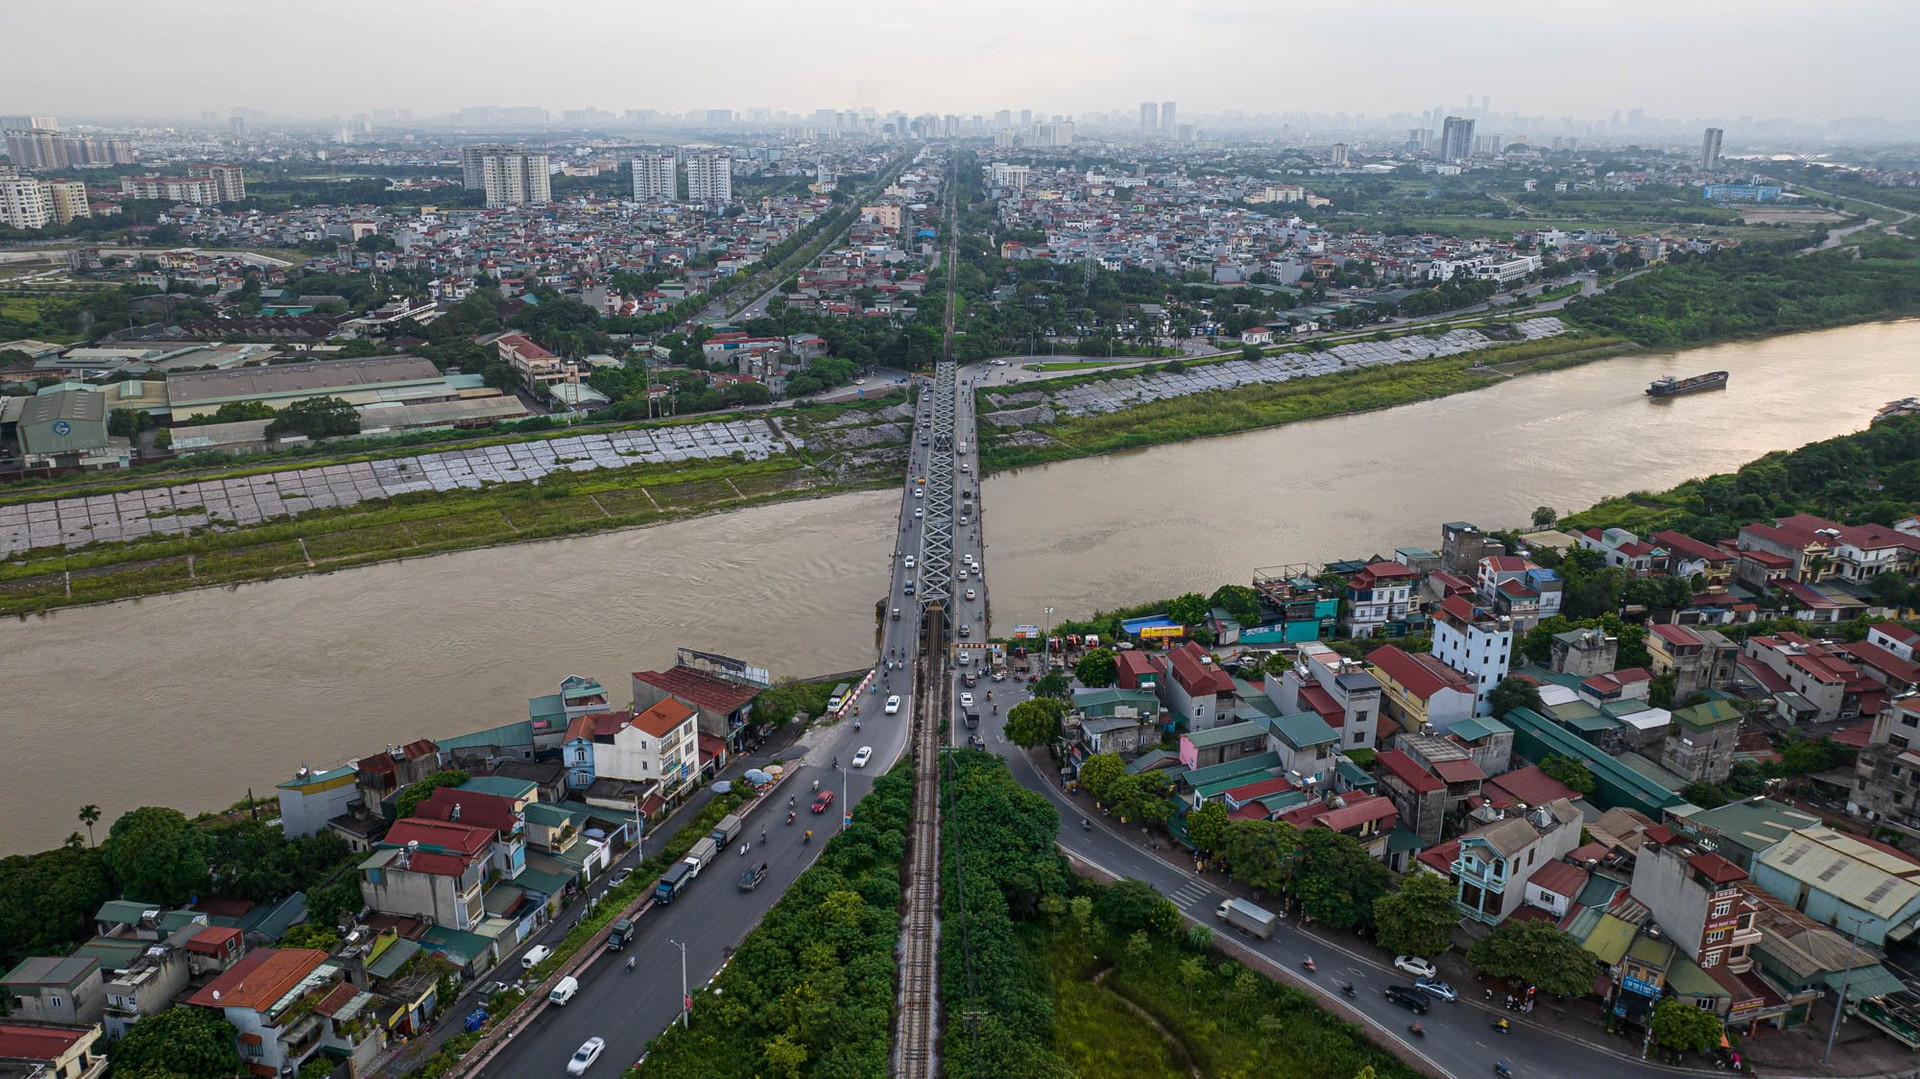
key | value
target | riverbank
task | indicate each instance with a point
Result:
(1273, 404)
(411, 526)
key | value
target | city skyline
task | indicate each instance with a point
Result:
(434, 58)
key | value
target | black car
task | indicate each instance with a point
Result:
(1408, 997)
(751, 879)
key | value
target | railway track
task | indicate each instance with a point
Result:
(916, 1035)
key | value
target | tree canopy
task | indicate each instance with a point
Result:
(1537, 953)
(1338, 881)
(1418, 917)
(1035, 722)
(156, 856)
(414, 793)
(179, 1043)
(1096, 669)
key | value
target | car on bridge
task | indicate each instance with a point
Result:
(862, 756)
(970, 594)
(821, 803)
(908, 563)
(918, 512)
(893, 705)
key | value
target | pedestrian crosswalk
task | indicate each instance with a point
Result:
(1192, 894)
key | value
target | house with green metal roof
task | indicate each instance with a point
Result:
(511, 736)
(1233, 773)
(1616, 784)
(1217, 745)
(1702, 749)
(470, 952)
(1744, 829)
(521, 792)
(1307, 747)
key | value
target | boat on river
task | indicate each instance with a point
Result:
(1675, 387)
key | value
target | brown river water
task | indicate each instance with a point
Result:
(190, 700)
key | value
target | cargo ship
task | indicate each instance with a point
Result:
(1674, 387)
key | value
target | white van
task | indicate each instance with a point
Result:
(534, 956)
(564, 991)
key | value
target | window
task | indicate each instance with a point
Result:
(1716, 936)
(54, 1001)
(1706, 1004)
(1721, 908)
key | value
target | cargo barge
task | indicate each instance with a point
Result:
(1675, 387)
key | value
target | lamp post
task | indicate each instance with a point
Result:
(1846, 980)
(686, 1001)
(1046, 642)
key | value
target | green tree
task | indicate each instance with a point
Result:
(163, 439)
(1141, 797)
(1418, 917)
(1099, 773)
(1681, 1026)
(128, 422)
(1567, 770)
(1544, 516)
(1035, 722)
(1515, 692)
(1338, 882)
(1208, 826)
(1096, 669)
(90, 816)
(1241, 603)
(1189, 609)
(1052, 684)
(179, 1043)
(1537, 953)
(316, 417)
(1263, 854)
(311, 935)
(156, 856)
(47, 900)
(414, 793)
(1129, 905)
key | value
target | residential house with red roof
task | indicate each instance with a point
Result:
(1691, 558)
(1821, 685)
(657, 746)
(1496, 861)
(1418, 794)
(1895, 638)
(1418, 691)
(1474, 641)
(535, 365)
(1700, 901)
(1339, 690)
(429, 867)
(1135, 669)
(1625, 550)
(1883, 666)
(1519, 589)
(1380, 595)
(1555, 887)
(289, 1005)
(477, 809)
(1368, 818)
(1197, 690)
(382, 775)
(55, 1052)
(723, 704)
(1524, 787)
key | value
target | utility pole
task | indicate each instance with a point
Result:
(686, 1001)
(1846, 980)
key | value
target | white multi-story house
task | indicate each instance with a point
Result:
(289, 1005)
(660, 744)
(1474, 642)
(1339, 690)
(1381, 593)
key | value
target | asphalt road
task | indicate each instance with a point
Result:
(712, 916)
(1459, 1039)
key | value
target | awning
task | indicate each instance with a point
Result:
(1902, 931)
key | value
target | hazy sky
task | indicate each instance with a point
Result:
(1542, 57)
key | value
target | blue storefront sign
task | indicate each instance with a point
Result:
(1635, 985)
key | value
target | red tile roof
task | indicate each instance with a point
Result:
(19, 1042)
(1198, 678)
(1560, 878)
(1460, 771)
(1375, 572)
(1856, 736)
(1441, 857)
(1872, 655)
(477, 810)
(1420, 674)
(1715, 868)
(1682, 544)
(214, 940)
(1409, 772)
(1319, 701)
(597, 725)
(700, 689)
(663, 718)
(1529, 785)
(1261, 788)
(259, 979)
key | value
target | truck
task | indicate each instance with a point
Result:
(701, 854)
(973, 720)
(839, 695)
(622, 932)
(724, 832)
(564, 991)
(1248, 918)
(672, 881)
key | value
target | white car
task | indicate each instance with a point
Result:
(918, 512)
(909, 562)
(966, 700)
(861, 757)
(961, 573)
(919, 492)
(1415, 966)
(970, 594)
(584, 1057)
(893, 704)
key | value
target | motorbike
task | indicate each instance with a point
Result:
(1308, 964)
(1086, 825)
(631, 960)
(790, 816)
(996, 708)
(1347, 988)
(808, 838)
(1502, 1026)
(1418, 1030)
(1501, 1069)
(743, 849)
(856, 724)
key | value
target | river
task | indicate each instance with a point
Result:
(192, 699)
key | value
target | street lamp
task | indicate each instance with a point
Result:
(1846, 980)
(1046, 642)
(686, 1001)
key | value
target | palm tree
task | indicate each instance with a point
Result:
(89, 816)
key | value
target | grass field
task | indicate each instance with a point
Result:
(408, 525)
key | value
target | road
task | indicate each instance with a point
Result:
(628, 1008)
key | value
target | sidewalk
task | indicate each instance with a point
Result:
(1860, 1052)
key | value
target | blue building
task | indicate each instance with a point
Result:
(1740, 193)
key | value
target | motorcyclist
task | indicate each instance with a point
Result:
(790, 816)
(1502, 1026)
(1417, 1030)
(809, 836)
(1308, 963)
(1501, 1068)
(631, 960)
